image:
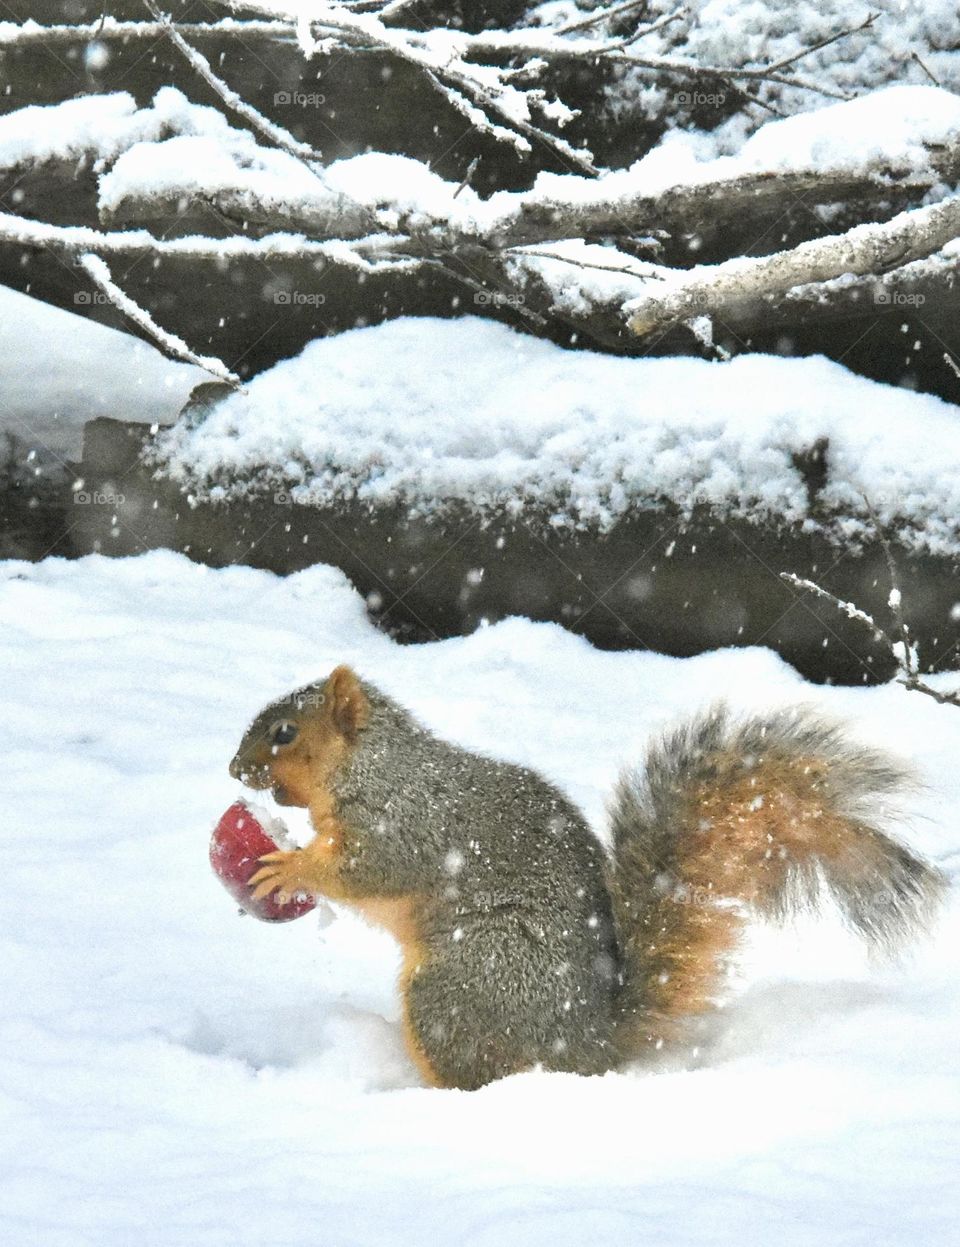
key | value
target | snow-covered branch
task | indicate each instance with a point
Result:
(723, 290)
(73, 240)
(160, 160)
(98, 271)
(596, 250)
(901, 647)
(491, 78)
(110, 29)
(272, 132)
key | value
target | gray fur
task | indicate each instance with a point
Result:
(516, 919)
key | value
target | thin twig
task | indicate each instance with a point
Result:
(895, 601)
(603, 15)
(850, 609)
(823, 43)
(642, 31)
(99, 273)
(933, 78)
(520, 252)
(688, 69)
(907, 675)
(263, 125)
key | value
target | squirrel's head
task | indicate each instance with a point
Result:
(296, 743)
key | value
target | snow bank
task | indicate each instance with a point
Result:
(58, 370)
(174, 1075)
(434, 412)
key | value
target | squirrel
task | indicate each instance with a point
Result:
(525, 943)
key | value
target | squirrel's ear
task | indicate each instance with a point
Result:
(348, 703)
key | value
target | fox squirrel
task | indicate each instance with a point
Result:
(524, 943)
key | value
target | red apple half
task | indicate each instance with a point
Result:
(239, 840)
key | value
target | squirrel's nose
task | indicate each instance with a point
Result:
(236, 768)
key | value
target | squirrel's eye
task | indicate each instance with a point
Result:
(283, 733)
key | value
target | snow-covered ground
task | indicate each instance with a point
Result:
(173, 1074)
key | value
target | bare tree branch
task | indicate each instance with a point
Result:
(369, 255)
(617, 10)
(866, 24)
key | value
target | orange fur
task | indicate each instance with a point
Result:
(742, 832)
(303, 772)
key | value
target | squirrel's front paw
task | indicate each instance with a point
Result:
(282, 873)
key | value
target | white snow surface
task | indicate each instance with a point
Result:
(440, 411)
(58, 370)
(174, 1075)
(99, 127)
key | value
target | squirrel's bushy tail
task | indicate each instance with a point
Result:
(727, 819)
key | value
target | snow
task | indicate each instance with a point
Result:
(497, 419)
(764, 32)
(26, 135)
(201, 164)
(175, 148)
(100, 127)
(88, 370)
(892, 128)
(895, 125)
(177, 1076)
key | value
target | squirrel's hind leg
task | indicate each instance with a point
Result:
(489, 1002)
